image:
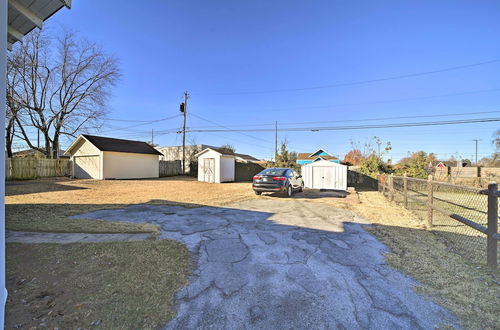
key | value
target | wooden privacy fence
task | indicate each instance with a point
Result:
(466, 216)
(170, 168)
(32, 168)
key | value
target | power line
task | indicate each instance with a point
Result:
(142, 124)
(359, 82)
(357, 120)
(132, 120)
(341, 128)
(219, 125)
(382, 101)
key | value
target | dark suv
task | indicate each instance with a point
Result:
(283, 180)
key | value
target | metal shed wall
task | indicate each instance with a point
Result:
(324, 174)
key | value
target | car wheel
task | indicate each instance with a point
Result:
(302, 187)
(289, 191)
(258, 193)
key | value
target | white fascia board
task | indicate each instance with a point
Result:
(14, 33)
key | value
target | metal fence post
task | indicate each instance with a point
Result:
(391, 187)
(405, 190)
(492, 243)
(429, 201)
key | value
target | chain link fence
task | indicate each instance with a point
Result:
(458, 214)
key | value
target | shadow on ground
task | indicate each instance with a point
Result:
(24, 187)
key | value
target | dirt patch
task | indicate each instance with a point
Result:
(46, 204)
(112, 285)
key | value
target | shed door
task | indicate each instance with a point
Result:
(329, 177)
(209, 170)
(319, 177)
(86, 167)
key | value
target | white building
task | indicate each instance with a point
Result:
(216, 165)
(97, 157)
(325, 174)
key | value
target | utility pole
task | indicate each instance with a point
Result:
(183, 109)
(152, 137)
(276, 143)
(476, 140)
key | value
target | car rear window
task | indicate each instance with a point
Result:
(273, 171)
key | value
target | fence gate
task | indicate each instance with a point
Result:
(209, 170)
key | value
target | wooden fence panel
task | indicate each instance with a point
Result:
(32, 168)
(170, 168)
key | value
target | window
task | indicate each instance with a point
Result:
(273, 171)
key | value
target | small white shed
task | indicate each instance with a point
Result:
(324, 174)
(216, 165)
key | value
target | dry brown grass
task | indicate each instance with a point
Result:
(119, 285)
(46, 204)
(469, 291)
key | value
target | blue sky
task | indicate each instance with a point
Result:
(217, 49)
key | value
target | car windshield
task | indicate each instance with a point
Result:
(273, 171)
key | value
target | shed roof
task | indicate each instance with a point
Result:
(117, 145)
(221, 151)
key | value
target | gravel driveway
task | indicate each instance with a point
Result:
(285, 264)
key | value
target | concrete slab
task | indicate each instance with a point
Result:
(285, 264)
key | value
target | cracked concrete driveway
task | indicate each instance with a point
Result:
(285, 264)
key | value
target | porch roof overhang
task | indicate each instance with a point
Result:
(25, 15)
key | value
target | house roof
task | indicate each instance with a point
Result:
(247, 157)
(118, 145)
(308, 156)
(323, 162)
(29, 152)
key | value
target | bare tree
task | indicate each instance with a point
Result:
(65, 83)
(13, 107)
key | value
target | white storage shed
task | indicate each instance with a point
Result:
(216, 165)
(324, 174)
(98, 157)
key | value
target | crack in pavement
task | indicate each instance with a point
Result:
(272, 264)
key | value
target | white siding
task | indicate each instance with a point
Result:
(227, 169)
(85, 148)
(123, 165)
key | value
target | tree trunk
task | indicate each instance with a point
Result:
(55, 146)
(9, 137)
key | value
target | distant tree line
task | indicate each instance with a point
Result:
(369, 158)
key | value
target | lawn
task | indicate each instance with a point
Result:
(46, 204)
(119, 285)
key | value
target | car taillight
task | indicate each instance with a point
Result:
(279, 178)
(257, 177)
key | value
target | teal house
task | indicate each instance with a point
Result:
(321, 154)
